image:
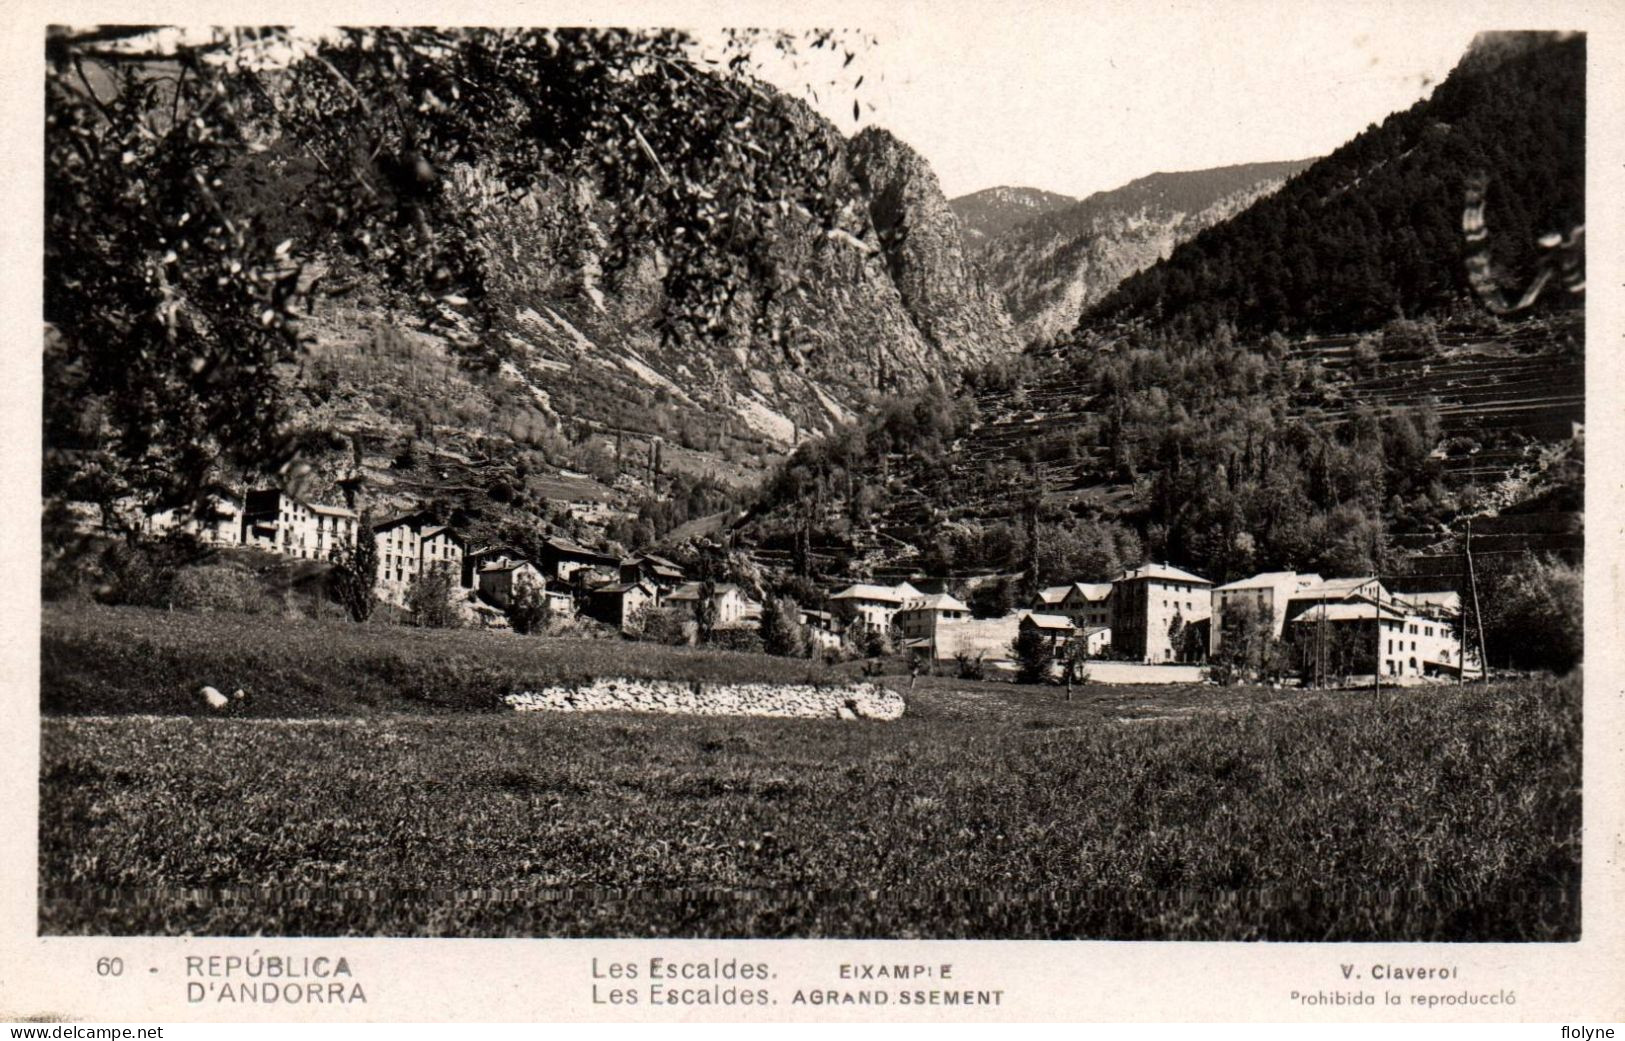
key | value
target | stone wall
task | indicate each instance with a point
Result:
(858, 701)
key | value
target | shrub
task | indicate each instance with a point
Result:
(215, 587)
(737, 640)
(781, 629)
(1411, 336)
(875, 643)
(969, 668)
(142, 574)
(1031, 650)
(529, 609)
(666, 625)
(432, 599)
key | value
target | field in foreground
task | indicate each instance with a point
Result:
(117, 660)
(987, 812)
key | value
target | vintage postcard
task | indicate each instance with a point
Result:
(965, 512)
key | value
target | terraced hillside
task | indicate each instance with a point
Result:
(1510, 408)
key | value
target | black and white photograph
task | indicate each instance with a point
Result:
(1070, 478)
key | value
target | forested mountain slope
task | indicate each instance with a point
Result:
(1375, 229)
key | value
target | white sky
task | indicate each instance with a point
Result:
(1084, 97)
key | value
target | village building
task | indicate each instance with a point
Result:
(281, 523)
(916, 622)
(443, 547)
(1085, 603)
(1096, 640)
(870, 607)
(561, 599)
(622, 604)
(568, 561)
(1346, 637)
(659, 572)
(501, 579)
(217, 519)
(1335, 590)
(1160, 614)
(1270, 594)
(412, 545)
(820, 627)
(733, 607)
(221, 523)
(1056, 629)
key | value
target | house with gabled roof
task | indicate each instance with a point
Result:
(282, 523)
(620, 604)
(1085, 603)
(659, 572)
(870, 606)
(1056, 629)
(411, 545)
(733, 607)
(919, 618)
(499, 580)
(569, 561)
(1269, 594)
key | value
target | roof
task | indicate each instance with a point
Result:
(506, 564)
(1362, 611)
(442, 531)
(336, 511)
(691, 590)
(866, 591)
(1262, 580)
(1050, 621)
(1447, 600)
(624, 587)
(1161, 573)
(416, 519)
(576, 549)
(1092, 591)
(1338, 586)
(935, 602)
(1053, 595)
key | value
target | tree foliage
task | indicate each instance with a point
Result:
(1375, 228)
(529, 608)
(1033, 654)
(1248, 647)
(781, 628)
(201, 188)
(431, 598)
(355, 571)
(1533, 614)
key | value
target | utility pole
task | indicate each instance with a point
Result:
(1478, 615)
(1376, 671)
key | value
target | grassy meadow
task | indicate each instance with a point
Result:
(379, 802)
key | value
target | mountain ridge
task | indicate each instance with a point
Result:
(1050, 266)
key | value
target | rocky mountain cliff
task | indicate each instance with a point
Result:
(991, 212)
(921, 241)
(1051, 266)
(577, 380)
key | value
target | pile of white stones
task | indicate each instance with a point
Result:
(858, 701)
